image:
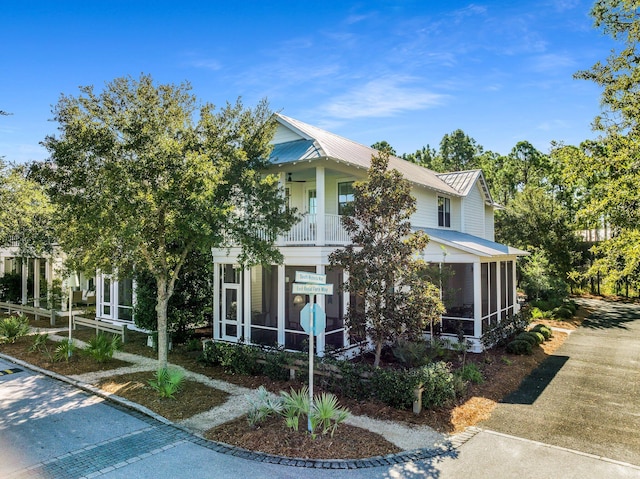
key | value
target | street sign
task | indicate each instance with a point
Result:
(305, 277)
(301, 288)
(319, 321)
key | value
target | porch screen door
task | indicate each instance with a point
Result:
(231, 312)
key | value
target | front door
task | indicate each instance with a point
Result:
(231, 312)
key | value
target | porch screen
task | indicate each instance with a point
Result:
(264, 305)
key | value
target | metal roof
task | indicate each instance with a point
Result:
(472, 244)
(463, 181)
(323, 144)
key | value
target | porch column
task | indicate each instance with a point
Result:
(246, 301)
(281, 298)
(216, 300)
(320, 300)
(320, 198)
(25, 274)
(477, 299)
(516, 305)
(281, 187)
(1, 266)
(345, 307)
(499, 287)
(36, 282)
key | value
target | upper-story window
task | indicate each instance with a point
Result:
(345, 196)
(444, 212)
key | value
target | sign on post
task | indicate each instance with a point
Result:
(313, 319)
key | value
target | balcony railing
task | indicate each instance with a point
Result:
(306, 231)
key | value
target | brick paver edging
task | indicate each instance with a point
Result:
(148, 416)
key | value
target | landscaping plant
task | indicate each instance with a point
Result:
(263, 404)
(64, 350)
(167, 382)
(12, 328)
(101, 347)
(39, 342)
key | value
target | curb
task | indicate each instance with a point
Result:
(151, 417)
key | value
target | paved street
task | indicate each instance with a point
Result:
(49, 429)
(587, 395)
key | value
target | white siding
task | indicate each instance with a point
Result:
(283, 135)
(426, 214)
(474, 213)
(489, 223)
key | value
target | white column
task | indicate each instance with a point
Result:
(477, 299)
(216, 300)
(281, 309)
(516, 306)
(345, 306)
(1, 265)
(36, 282)
(320, 198)
(499, 289)
(245, 293)
(25, 274)
(281, 186)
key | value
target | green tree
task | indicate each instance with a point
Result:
(384, 146)
(25, 212)
(458, 152)
(607, 171)
(536, 222)
(423, 157)
(381, 261)
(140, 183)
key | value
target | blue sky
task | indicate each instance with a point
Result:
(404, 71)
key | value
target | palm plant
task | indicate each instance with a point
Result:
(101, 347)
(167, 382)
(12, 328)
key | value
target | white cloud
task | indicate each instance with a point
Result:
(381, 98)
(552, 62)
(552, 125)
(206, 64)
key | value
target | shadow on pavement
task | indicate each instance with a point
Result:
(608, 322)
(534, 384)
(422, 469)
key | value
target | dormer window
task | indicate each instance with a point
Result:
(444, 212)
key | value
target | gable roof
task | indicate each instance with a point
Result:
(463, 181)
(472, 244)
(307, 142)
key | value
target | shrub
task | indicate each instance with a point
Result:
(562, 312)
(395, 387)
(325, 414)
(519, 347)
(39, 342)
(470, 372)
(438, 384)
(262, 404)
(65, 350)
(12, 328)
(539, 337)
(411, 353)
(101, 347)
(513, 325)
(527, 337)
(542, 329)
(167, 382)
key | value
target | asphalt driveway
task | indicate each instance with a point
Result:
(585, 397)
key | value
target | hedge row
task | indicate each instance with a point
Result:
(394, 387)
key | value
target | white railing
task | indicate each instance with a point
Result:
(334, 232)
(305, 232)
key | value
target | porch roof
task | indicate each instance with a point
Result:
(472, 244)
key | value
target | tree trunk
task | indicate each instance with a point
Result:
(161, 311)
(376, 361)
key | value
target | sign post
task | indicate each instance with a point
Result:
(311, 284)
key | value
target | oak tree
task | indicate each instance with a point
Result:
(142, 176)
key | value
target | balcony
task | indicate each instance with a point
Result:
(308, 232)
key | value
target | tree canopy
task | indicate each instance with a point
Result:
(381, 261)
(142, 176)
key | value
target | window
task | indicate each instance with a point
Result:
(444, 212)
(313, 202)
(345, 196)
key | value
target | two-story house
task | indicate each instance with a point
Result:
(317, 170)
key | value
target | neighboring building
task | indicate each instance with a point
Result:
(317, 170)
